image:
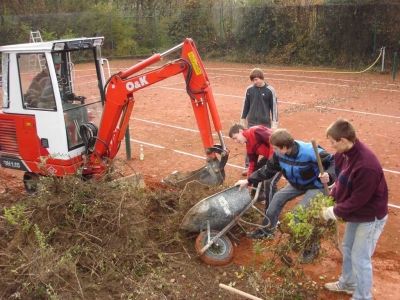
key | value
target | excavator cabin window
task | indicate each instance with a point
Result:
(36, 83)
(5, 101)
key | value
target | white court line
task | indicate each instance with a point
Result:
(297, 75)
(148, 144)
(391, 171)
(173, 126)
(166, 125)
(301, 81)
(301, 76)
(358, 112)
(386, 90)
(301, 104)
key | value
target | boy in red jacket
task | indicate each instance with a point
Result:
(257, 143)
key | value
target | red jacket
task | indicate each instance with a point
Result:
(257, 144)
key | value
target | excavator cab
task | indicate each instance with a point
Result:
(50, 89)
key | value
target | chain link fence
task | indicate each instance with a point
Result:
(339, 36)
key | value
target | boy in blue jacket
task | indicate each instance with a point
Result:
(298, 164)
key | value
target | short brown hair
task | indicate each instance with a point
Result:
(256, 73)
(281, 138)
(341, 128)
(235, 129)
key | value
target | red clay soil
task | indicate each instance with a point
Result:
(309, 101)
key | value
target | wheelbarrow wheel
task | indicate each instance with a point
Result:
(219, 254)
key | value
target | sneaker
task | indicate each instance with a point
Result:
(310, 254)
(262, 234)
(244, 172)
(336, 287)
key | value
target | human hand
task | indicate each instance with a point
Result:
(327, 213)
(243, 122)
(324, 178)
(241, 183)
(274, 125)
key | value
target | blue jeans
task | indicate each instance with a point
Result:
(359, 242)
(282, 197)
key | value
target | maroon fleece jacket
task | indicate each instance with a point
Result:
(360, 189)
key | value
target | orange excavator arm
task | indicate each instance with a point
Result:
(119, 103)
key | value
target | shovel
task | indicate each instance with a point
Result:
(326, 188)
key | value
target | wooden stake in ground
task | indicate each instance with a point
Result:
(238, 292)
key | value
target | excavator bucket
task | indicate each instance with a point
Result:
(209, 175)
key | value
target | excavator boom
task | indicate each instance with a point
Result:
(119, 103)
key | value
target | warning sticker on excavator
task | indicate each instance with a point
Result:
(194, 62)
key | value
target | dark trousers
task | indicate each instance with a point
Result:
(270, 186)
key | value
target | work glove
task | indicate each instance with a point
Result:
(327, 213)
(274, 125)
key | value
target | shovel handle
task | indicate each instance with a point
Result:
(321, 169)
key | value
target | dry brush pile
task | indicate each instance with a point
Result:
(73, 238)
(76, 239)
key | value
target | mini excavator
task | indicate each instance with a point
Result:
(69, 118)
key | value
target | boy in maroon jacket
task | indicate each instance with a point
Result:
(361, 195)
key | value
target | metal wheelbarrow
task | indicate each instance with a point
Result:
(215, 216)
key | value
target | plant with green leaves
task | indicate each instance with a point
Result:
(16, 216)
(305, 227)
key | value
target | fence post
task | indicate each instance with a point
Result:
(315, 14)
(264, 35)
(34, 22)
(128, 144)
(155, 32)
(375, 28)
(112, 37)
(74, 18)
(220, 31)
(394, 66)
(183, 24)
